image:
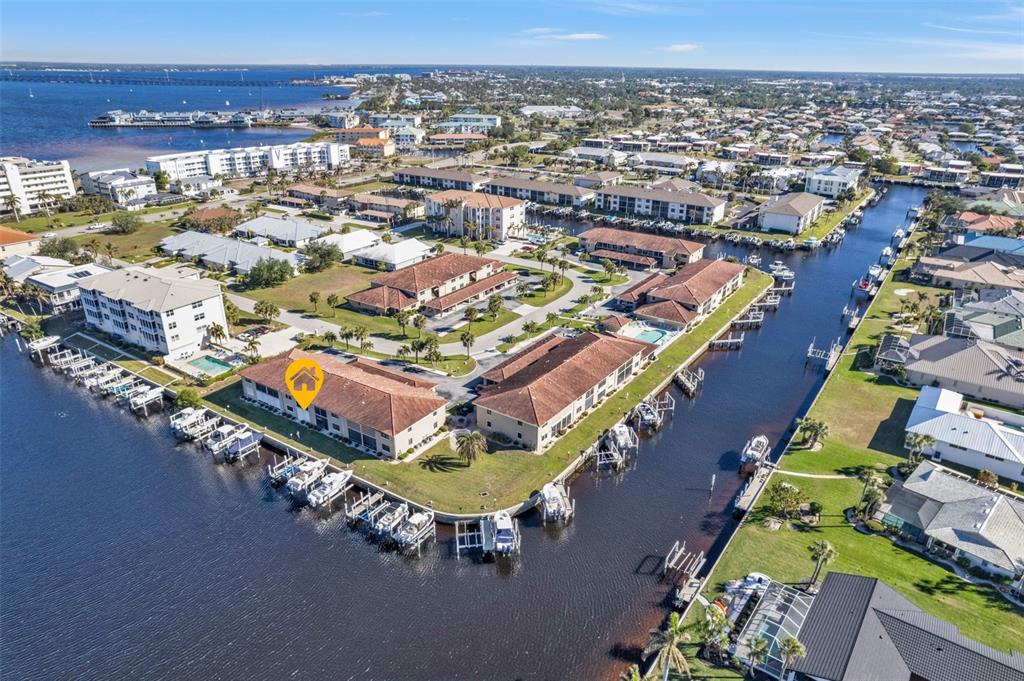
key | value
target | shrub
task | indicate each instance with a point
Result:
(815, 508)
(874, 526)
(188, 397)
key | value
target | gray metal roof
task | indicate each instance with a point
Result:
(859, 629)
(971, 362)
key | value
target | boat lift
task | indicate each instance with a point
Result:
(392, 514)
(200, 427)
(41, 344)
(469, 536)
(280, 471)
(730, 342)
(682, 563)
(243, 445)
(819, 356)
(220, 439)
(689, 381)
(769, 301)
(415, 531)
(556, 504)
(365, 508)
(752, 320)
(142, 400)
(58, 358)
(609, 457)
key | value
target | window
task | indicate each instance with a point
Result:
(488, 424)
(172, 325)
(200, 316)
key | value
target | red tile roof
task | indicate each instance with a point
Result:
(557, 378)
(382, 298)
(360, 391)
(624, 257)
(455, 298)
(695, 283)
(434, 272)
(13, 236)
(669, 245)
(523, 358)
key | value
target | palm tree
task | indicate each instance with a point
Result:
(403, 352)
(813, 429)
(467, 339)
(346, 334)
(314, 298)
(531, 328)
(791, 650)
(472, 314)
(109, 251)
(823, 553)
(231, 312)
(330, 337)
(360, 334)
(664, 644)
(918, 443)
(469, 446)
(332, 302)
(253, 348)
(13, 203)
(420, 322)
(402, 318)
(713, 628)
(267, 310)
(757, 652)
(494, 305)
(216, 332)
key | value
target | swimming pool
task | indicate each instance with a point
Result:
(652, 336)
(210, 365)
(642, 332)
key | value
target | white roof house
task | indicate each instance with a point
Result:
(222, 252)
(351, 242)
(61, 285)
(20, 267)
(969, 434)
(285, 231)
(149, 289)
(395, 256)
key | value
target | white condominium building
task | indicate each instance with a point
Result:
(120, 185)
(250, 161)
(395, 120)
(477, 215)
(29, 180)
(470, 122)
(166, 311)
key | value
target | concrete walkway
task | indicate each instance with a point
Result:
(819, 476)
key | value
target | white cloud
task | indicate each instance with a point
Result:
(959, 29)
(539, 30)
(573, 37)
(682, 47)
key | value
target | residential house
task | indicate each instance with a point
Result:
(375, 148)
(958, 518)
(168, 311)
(539, 393)
(978, 222)
(222, 253)
(389, 206)
(968, 434)
(370, 406)
(792, 213)
(16, 242)
(477, 215)
(20, 267)
(364, 132)
(396, 255)
(607, 157)
(282, 231)
(326, 198)
(408, 136)
(60, 286)
(597, 180)
(977, 368)
(833, 180)
(639, 250)
(351, 242)
(439, 285)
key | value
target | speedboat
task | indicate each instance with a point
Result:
(409, 531)
(777, 266)
(328, 486)
(621, 436)
(309, 472)
(756, 450)
(753, 260)
(504, 534)
(554, 501)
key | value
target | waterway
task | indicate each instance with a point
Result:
(125, 555)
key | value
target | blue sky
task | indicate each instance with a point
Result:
(946, 36)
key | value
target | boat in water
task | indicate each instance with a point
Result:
(554, 502)
(504, 534)
(308, 474)
(329, 486)
(755, 453)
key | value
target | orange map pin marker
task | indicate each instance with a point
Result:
(304, 378)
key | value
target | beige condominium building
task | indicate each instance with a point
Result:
(537, 394)
(456, 212)
(379, 409)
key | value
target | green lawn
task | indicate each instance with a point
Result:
(43, 224)
(540, 298)
(822, 226)
(979, 611)
(866, 419)
(604, 279)
(510, 476)
(482, 326)
(134, 247)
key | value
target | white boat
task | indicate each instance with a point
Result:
(309, 473)
(756, 450)
(886, 255)
(777, 266)
(504, 534)
(622, 436)
(554, 502)
(648, 414)
(329, 485)
(410, 532)
(784, 274)
(875, 272)
(753, 260)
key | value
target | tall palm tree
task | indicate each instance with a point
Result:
(13, 203)
(470, 445)
(757, 652)
(823, 553)
(664, 645)
(918, 443)
(420, 322)
(402, 318)
(217, 333)
(253, 348)
(314, 298)
(330, 337)
(472, 314)
(467, 339)
(346, 334)
(791, 650)
(332, 302)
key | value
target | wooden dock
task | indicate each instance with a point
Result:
(729, 342)
(754, 319)
(824, 357)
(750, 491)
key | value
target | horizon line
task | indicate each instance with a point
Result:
(4, 63)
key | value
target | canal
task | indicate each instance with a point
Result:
(125, 555)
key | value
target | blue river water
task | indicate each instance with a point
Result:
(126, 555)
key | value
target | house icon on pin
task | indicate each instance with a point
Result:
(304, 380)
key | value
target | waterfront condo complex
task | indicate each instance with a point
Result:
(601, 340)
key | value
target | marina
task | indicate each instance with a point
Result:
(655, 505)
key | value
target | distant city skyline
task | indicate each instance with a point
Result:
(914, 36)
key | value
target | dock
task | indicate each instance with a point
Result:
(770, 301)
(753, 320)
(824, 357)
(749, 492)
(783, 288)
(682, 563)
(731, 341)
(689, 381)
